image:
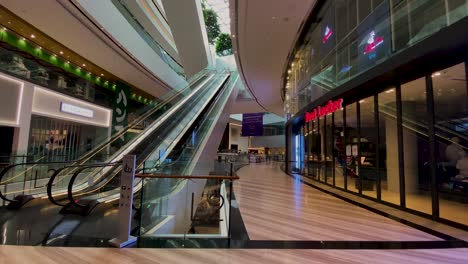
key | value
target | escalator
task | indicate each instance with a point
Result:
(97, 184)
(165, 203)
(102, 222)
(30, 180)
(153, 145)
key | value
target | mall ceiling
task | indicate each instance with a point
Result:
(60, 25)
(264, 32)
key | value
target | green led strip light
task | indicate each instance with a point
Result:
(36, 51)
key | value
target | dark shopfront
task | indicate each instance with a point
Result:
(402, 142)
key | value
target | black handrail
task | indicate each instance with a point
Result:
(7, 168)
(50, 183)
(75, 175)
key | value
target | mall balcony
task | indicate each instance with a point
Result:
(212, 131)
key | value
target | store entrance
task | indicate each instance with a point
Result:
(58, 140)
(6, 134)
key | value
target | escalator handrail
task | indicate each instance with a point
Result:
(143, 116)
(215, 102)
(75, 175)
(50, 183)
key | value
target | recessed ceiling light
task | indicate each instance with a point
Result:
(23, 38)
(61, 52)
(4, 28)
(389, 91)
(84, 65)
(102, 74)
(273, 17)
(233, 35)
(436, 74)
(9, 22)
(33, 36)
(39, 47)
(362, 101)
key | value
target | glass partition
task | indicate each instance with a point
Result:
(388, 147)
(416, 145)
(368, 171)
(451, 123)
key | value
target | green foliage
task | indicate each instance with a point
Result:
(224, 44)
(211, 23)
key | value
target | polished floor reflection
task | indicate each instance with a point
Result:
(58, 255)
(275, 206)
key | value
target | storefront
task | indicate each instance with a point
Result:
(382, 111)
(45, 125)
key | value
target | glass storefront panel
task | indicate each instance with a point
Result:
(416, 150)
(321, 135)
(314, 150)
(328, 160)
(352, 147)
(368, 148)
(451, 123)
(388, 147)
(339, 149)
(58, 140)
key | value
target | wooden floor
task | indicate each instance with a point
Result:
(276, 207)
(54, 255)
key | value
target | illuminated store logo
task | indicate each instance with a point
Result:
(76, 110)
(372, 43)
(323, 110)
(327, 34)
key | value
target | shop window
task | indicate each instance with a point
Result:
(322, 133)
(352, 147)
(328, 160)
(388, 147)
(339, 149)
(368, 147)
(416, 146)
(451, 128)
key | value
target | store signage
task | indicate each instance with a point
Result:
(76, 110)
(252, 124)
(327, 34)
(324, 110)
(372, 43)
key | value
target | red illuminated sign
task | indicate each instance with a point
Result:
(327, 34)
(372, 42)
(323, 110)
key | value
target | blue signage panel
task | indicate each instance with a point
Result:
(252, 124)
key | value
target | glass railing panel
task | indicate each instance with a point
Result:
(192, 212)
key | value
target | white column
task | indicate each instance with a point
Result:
(21, 136)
